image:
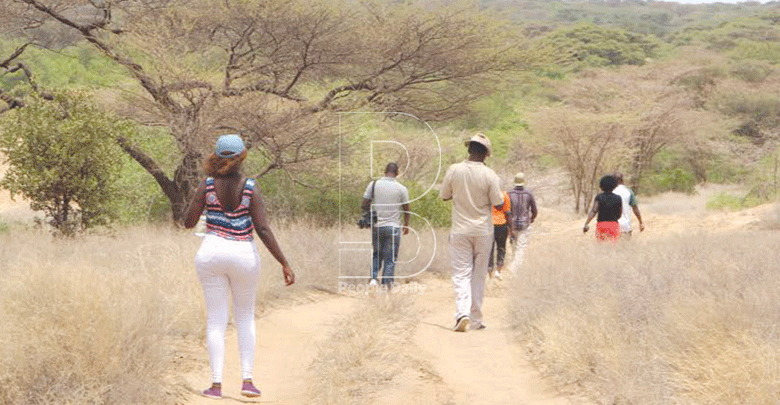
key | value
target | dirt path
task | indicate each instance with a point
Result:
(287, 341)
(478, 367)
(485, 367)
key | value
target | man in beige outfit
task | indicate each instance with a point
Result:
(474, 189)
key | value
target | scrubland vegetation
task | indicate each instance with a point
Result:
(688, 319)
(687, 95)
(673, 95)
(98, 319)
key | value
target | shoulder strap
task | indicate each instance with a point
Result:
(373, 186)
(249, 184)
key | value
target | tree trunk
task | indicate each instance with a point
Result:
(186, 177)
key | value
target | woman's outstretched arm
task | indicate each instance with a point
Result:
(260, 222)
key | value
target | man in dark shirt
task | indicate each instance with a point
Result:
(522, 213)
(609, 207)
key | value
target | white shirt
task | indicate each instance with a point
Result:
(474, 189)
(629, 200)
(389, 195)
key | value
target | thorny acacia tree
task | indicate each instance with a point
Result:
(585, 145)
(618, 120)
(276, 71)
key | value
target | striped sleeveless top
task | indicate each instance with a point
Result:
(233, 225)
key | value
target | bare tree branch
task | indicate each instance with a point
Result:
(274, 70)
(147, 163)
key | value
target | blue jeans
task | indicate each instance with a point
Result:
(385, 241)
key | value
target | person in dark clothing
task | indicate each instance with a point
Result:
(522, 214)
(500, 234)
(609, 207)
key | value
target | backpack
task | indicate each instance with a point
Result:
(519, 213)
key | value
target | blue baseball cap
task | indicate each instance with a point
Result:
(229, 146)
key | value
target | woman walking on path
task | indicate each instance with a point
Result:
(228, 262)
(609, 207)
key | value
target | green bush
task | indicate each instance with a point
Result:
(759, 107)
(752, 72)
(724, 201)
(753, 37)
(140, 198)
(760, 194)
(676, 180)
(670, 172)
(62, 157)
(287, 201)
(721, 170)
(700, 79)
(596, 46)
(431, 207)
(766, 51)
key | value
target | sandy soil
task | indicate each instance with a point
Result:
(486, 367)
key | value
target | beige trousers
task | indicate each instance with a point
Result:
(469, 259)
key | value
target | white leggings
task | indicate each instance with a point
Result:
(226, 266)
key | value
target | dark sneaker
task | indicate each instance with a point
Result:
(249, 390)
(214, 392)
(461, 324)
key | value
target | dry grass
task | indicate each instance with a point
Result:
(98, 319)
(92, 320)
(366, 351)
(688, 320)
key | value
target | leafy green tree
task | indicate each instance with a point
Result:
(61, 159)
(596, 46)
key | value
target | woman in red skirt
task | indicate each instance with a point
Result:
(609, 207)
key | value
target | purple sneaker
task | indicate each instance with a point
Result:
(214, 392)
(249, 390)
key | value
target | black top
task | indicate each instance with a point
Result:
(610, 207)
